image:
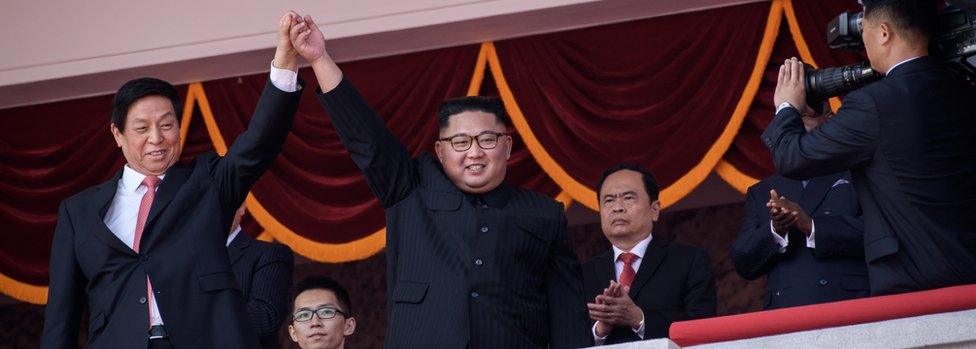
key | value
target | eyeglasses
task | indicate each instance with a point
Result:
(323, 313)
(462, 142)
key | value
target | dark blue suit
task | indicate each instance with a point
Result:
(909, 141)
(833, 271)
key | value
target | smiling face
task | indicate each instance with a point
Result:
(320, 333)
(475, 170)
(627, 214)
(150, 140)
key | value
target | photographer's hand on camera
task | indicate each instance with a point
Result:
(791, 87)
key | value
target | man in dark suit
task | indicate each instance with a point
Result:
(812, 249)
(145, 251)
(909, 141)
(471, 261)
(643, 283)
(264, 273)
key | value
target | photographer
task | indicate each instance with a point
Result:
(909, 141)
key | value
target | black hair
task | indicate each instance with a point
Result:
(325, 283)
(913, 16)
(454, 106)
(140, 88)
(650, 185)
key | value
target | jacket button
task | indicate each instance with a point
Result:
(484, 229)
(142, 300)
(823, 282)
(777, 293)
(827, 211)
(474, 294)
(479, 262)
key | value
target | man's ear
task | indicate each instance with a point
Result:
(350, 327)
(655, 210)
(885, 31)
(291, 332)
(439, 151)
(116, 133)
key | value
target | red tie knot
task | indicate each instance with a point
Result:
(151, 182)
(628, 258)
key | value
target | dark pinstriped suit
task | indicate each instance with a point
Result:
(264, 273)
(489, 271)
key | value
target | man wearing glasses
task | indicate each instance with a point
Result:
(471, 261)
(323, 314)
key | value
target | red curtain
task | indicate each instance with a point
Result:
(657, 92)
(747, 153)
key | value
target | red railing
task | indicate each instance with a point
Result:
(813, 317)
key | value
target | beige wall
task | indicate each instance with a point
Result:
(53, 50)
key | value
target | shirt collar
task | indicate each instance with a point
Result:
(132, 179)
(900, 63)
(640, 249)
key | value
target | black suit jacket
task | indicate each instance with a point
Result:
(909, 141)
(264, 273)
(833, 271)
(183, 250)
(673, 283)
(501, 275)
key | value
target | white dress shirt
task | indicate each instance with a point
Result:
(618, 265)
(122, 215)
(124, 210)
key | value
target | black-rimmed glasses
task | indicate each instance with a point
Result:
(462, 142)
(323, 313)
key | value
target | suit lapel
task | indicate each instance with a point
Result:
(167, 190)
(102, 199)
(816, 190)
(238, 246)
(653, 258)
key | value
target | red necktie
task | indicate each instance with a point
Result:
(627, 274)
(150, 182)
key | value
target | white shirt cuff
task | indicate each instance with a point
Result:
(782, 106)
(811, 242)
(640, 330)
(597, 340)
(780, 240)
(284, 79)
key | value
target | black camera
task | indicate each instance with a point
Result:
(954, 41)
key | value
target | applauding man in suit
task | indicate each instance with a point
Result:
(812, 249)
(145, 252)
(471, 261)
(643, 283)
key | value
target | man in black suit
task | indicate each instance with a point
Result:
(471, 261)
(145, 251)
(264, 273)
(812, 249)
(642, 284)
(909, 141)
